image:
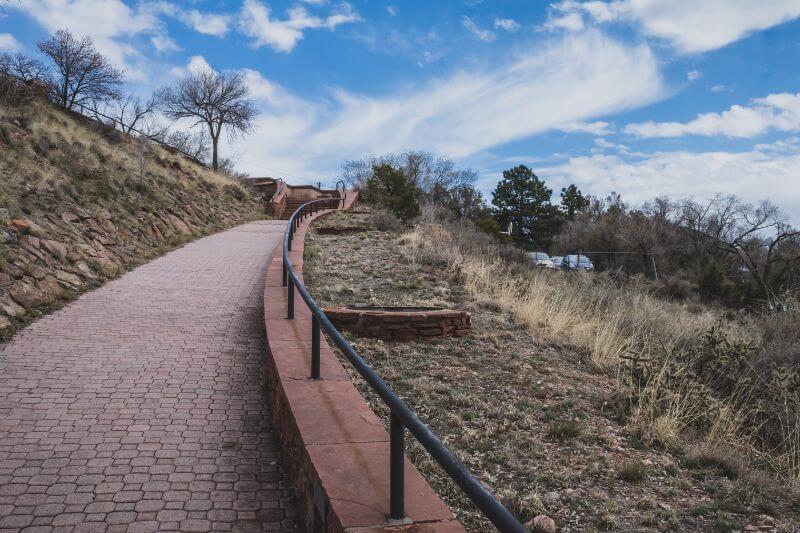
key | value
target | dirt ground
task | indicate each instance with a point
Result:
(535, 421)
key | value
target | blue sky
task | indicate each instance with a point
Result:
(642, 97)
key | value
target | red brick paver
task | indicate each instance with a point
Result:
(140, 407)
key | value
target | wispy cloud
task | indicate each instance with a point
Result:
(779, 112)
(484, 35)
(458, 115)
(509, 25)
(595, 128)
(751, 174)
(111, 23)
(691, 27)
(8, 43)
(256, 21)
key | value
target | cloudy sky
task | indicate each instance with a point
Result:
(642, 97)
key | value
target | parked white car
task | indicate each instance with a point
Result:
(556, 260)
(541, 259)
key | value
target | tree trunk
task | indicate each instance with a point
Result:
(214, 163)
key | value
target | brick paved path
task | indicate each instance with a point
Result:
(140, 407)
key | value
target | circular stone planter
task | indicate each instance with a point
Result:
(400, 323)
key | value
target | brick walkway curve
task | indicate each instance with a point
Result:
(140, 406)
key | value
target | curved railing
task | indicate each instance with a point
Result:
(402, 416)
(344, 189)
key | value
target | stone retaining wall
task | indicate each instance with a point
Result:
(401, 323)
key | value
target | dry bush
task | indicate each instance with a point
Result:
(691, 371)
(386, 221)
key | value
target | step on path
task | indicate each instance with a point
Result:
(141, 406)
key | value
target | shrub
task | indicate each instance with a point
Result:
(390, 188)
(565, 431)
(386, 221)
(632, 471)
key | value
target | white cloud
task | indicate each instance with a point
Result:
(8, 43)
(690, 26)
(775, 112)
(206, 23)
(482, 34)
(508, 25)
(457, 115)
(283, 35)
(640, 177)
(110, 23)
(391, 10)
(694, 75)
(164, 43)
(718, 88)
(595, 128)
(196, 64)
(569, 22)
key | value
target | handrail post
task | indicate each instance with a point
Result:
(285, 272)
(396, 468)
(290, 300)
(315, 340)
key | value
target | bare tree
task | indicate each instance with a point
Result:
(192, 144)
(216, 100)
(23, 67)
(129, 113)
(83, 76)
(758, 235)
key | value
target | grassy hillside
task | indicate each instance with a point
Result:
(80, 202)
(602, 406)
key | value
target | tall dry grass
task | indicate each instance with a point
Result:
(693, 373)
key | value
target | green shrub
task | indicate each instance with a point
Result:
(632, 472)
(565, 431)
(389, 188)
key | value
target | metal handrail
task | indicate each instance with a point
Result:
(401, 415)
(344, 189)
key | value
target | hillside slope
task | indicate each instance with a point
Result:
(80, 202)
(535, 419)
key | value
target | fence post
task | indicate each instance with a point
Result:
(396, 468)
(315, 340)
(290, 300)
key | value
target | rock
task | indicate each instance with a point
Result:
(5, 214)
(55, 248)
(82, 214)
(441, 291)
(7, 237)
(4, 323)
(85, 271)
(36, 272)
(70, 217)
(30, 242)
(10, 308)
(28, 296)
(67, 277)
(107, 267)
(541, 524)
(50, 286)
(180, 225)
(551, 498)
(14, 271)
(35, 229)
(5, 279)
(104, 213)
(20, 225)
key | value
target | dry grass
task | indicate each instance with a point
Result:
(654, 345)
(526, 401)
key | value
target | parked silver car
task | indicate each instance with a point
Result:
(556, 259)
(541, 259)
(577, 262)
